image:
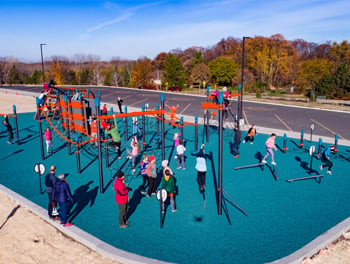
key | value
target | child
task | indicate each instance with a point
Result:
(176, 139)
(180, 153)
(270, 144)
(250, 135)
(152, 175)
(48, 138)
(168, 184)
(144, 175)
(166, 167)
(201, 167)
(104, 110)
(326, 160)
(135, 129)
(135, 149)
(116, 140)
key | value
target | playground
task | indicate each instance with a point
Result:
(266, 213)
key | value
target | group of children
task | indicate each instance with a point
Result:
(270, 146)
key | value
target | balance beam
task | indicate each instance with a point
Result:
(305, 178)
(249, 166)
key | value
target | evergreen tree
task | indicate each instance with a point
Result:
(174, 71)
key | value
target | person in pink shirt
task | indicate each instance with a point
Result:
(48, 138)
(270, 144)
(177, 139)
(135, 149)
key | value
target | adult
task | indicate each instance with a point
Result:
(122, 199)
(236, 141)
(9, 129)
(62, 194)
(201, 167)
(325, 158)
(120, 102)
(116, 140)
(50, 180)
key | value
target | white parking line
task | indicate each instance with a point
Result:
(318, 123)
(185, 109)
(284, 123)
(245, 117)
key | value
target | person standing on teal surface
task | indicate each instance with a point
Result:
(122, 199)
(62, 194)
(168, 184)
(270, 144)
(116, 140)
(326, 159)
(50, 180)
(236, 141)
(152, 174)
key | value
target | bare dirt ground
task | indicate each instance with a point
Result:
(27, 238)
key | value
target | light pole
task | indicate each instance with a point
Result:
(242, 80)
(42, 61)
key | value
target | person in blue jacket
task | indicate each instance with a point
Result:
(326, 159)
(62, 194)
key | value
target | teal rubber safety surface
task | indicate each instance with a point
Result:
(264, 217)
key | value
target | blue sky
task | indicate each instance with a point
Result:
(133, 29)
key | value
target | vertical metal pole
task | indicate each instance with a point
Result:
(284, 143)
(77, 152)
(207, 124)
(106, 150)
(182, 127)
(97, 105)
(301, 145)
(221, 99)
(158, 121)
(40, 129)
(319, 151)
(336, 138)
(39, 174)
(16, 123)
(144, 128)
(196, 132)
(162, 101)
(67, 98)
(126, 125)
(83, 121)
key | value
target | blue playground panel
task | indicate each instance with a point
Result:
(282, 217)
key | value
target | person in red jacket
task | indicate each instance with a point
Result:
(122, 199)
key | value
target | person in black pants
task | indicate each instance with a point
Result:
(8, 126)
(120, 102)
(236, 142)
(326, 159)
(201, 167)
(50, 180)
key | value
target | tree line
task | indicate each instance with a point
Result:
(271, 63)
